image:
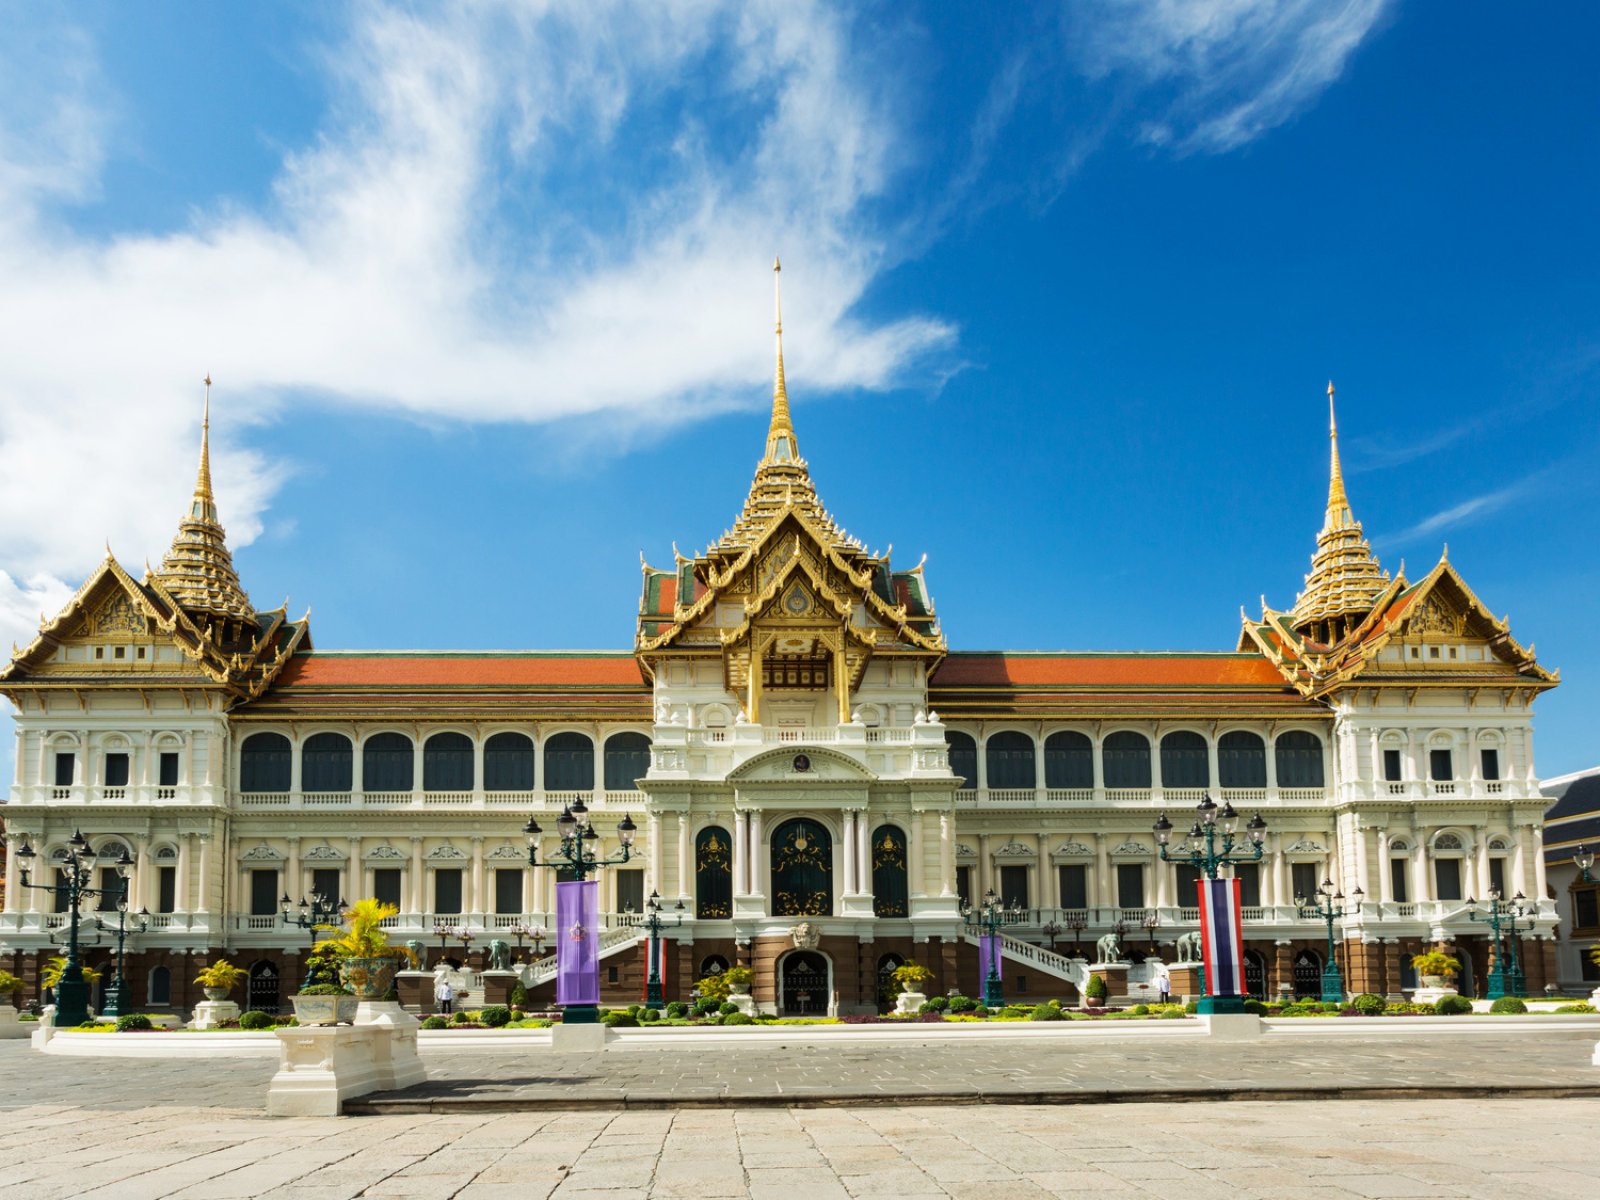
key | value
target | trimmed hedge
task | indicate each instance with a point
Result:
(254, 1019)
(1508, 1004)
(134, 1023)
(1452, 1006)
(1369, 1004)
(435, 1022)
(495, 1016)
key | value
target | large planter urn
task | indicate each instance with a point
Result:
(217, 995)
(370, 978)
(324, 1010)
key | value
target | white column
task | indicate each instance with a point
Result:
(182, 889)
(1541, 885)
(1280, 873)
(985, 870)
(864, 852)
(1385, 876)
(293, 885)
(1215, 777)
(294, 766)
(530, 894)
(418, 901)
(357, 885)
(1421, 884)
(1363, 881)
(847, 851)
(479, 902)
(741, 855)
(138, 893)
(757, 852)
(685, 867)
(1519, 861)
(1102, 872)
(205, 873)
(13, 844)
(653, 831)
(916, 878)
(1483, 864)
(416, 767)
(947, 855)
(1272, 765)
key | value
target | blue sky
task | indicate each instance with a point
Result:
(486, 296)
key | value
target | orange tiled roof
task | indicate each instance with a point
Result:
(1005, 669)
(462, 670)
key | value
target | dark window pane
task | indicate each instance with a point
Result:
(1125, 757)
(386, 885)
(167, 889)
(1241, 760)
(889, 893)
(1391, 766)
(1184, 762)
(802, 869)
(1439, 765)
(1497, 875)
(963, 758)
(1068, 760)
(1188, 886)
(327, 883)
(1074, 885)
(263, 893)
(169, 769)
(447, 890)
(508, 763)
(627, 761)
(713, 874)
(327, 763)
(1009, 759)
(1130, 885)
(1491, 764)
(964, 884)
(569, 763)
(263, 763)
(116, 770)
(1249, 877)
(1303, 877)
(388, 763)
(1586, 909)
(61, 891)
(110, 890)
(508, 890)
(1299, 759)
(1447, 878)
(1398, 880)
(65, 765)
(630, 889)
(160, 986)
(447, 763)
(1014, 887)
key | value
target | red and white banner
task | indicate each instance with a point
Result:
(1222, 937)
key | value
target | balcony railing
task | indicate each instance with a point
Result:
(618, 801)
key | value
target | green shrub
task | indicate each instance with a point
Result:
(1452, 1006)
(519, 996)
(1508, 1004)
(1096, 991)
(633, 1009)
(620, 1018)
(496, 1016)
(254, 1019)
(1013, 1011)
(728, 1008)
(677, 1010)
(736, 1018)
(1140, 1010)
(459, 1018)
(323, 989)
(649, 1014)
(1192, 1006)
(1369, 1004)
(1565, 1008)
(435, 1022)
(138, 1023)
(962, 1004)
(937, 1003)
(980, 1010)
(926, 1009)
(1045, 1013)
(1252, 1005)
(1168, 1014)
(706, 1006)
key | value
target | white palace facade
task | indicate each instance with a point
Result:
(797, 743)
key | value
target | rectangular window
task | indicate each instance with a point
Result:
(61, 890)
(1074, 880)
(1014, 887)
(110, 887)
(508, 890)
(116, 770)
(1303, 877)
(1447, 878)
(1590, 968)
(447, 891)
(1188, 886)
(1439, 765)
(263, 893)
(1022, 983)
(1130, 885)
(66, 765)
(1249, 877)
(1585, 909)
(964, 884)
(169, 768)
(166, 889)
(1398, 877)
(1491, 764)
(386, 885)
(630, 890)
(326, 882)
(1497, 875)
(1391, 766)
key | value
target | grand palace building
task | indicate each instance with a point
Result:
(799, 744)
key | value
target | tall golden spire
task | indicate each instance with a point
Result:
(1345, 578)
(780, 434)
(198, 570)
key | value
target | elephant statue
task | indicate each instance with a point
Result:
(1108, 949)
(1189, 947)
(499, 955)
(417, 957)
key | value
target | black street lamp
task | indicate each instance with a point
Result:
(1583, 859)
(1076, 922)
(77, 869)
(122, 929)
(1323, 907)
(1506, 979)
(534, 933)
(1051, 929)
(319, 912)
(577, 862)
(1151, 923)
(988, 918)
(653, 925)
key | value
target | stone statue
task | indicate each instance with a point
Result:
(417, 957)
(1189, 947)
(1108, 949)
(499, 955)
(806, 936)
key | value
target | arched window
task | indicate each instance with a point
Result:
(388, 763)
(627, 761)
(327, 763)
(963, 758)
(568, 763)
(1184, 762)
(1299, 754)
(1241, 760)
(447, 763)
(1125, 760)
(1068, 760)
(889, 872)
(508, 763)
(1009, 759)
(713, 875)
(264, 763)
(802, 869)
(713, 965)
(160, 986)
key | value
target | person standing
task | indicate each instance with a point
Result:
(1163, 981)
(443, 994)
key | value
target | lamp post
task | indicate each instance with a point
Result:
(122, 929)
(988, 918)
(572, 857)
(1051, 929)
(1151, 923)
(319, 911)
(77, 869)
(1076, 922)
(653, 925)
(1506, 978)
(1322, 905)
(534, 933)
(1583, 859)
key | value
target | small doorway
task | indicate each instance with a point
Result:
(804, 984)
(1307, 975)
(262, 994)
(1255, 974)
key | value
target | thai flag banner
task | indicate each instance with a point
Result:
(1222, 937)
(578, 942)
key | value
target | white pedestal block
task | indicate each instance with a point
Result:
(210, 1014)
(744, 1001)
(1431, 995)
(907, 1003)
(395, 1049)
(577, 1039)
(320, 1067)
(1233, 1027)
(1594, 997)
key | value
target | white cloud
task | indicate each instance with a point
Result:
(1234, 68)
(385, 272)
(1471, 510)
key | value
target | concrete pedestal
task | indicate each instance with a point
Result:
(395, 1050)
(1233, 1027)
(320, 1067)
(211, 1014)
(1594, 997)
(577, 1039)
(1185, 979)
(416, 990)
(744, 1001)
(497, 987)
(908, 1003)
(1432, 995)
(1115, 975)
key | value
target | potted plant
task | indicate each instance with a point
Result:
(912, 976)
(10, 987)
(220, 978)
(1437, 968)
(369, 962)
(738, 980)
(324, 1004)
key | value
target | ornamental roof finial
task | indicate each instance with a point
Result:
(1339, 514)
(780, 434)
(202, 485)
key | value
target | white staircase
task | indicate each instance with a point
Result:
(612, 941)
(1048, 961)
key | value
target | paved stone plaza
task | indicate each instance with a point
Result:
(130, 1129)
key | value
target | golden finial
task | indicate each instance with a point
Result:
(780, 434)
(1339, 515)
(202, 486)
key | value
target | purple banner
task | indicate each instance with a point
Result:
(578, 943)
(989, 952)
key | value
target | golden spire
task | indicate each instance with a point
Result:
(1339, 515)
(780, 434)
(198, 570)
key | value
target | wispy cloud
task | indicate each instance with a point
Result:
(1468, 512)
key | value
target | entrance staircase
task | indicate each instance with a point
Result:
(1027, 954)
(612, 941)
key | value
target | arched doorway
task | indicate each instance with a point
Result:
(1467, 977)
(262, 993)
(888, 989)
(805, 984)
(1307, 975)
(713, 874)
(889, 872)
(1255, 974)
(802, 869)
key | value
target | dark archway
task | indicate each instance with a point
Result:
(388, 763)
(889, 892)
(803, 984)
(1307, 975)
(1255, 974)
(508, 763)
(262, 992)
(447, 763)
(713, 874)
(327, 763)
(627, 760)
(802, 869)
(963, 758)
(264, 763)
